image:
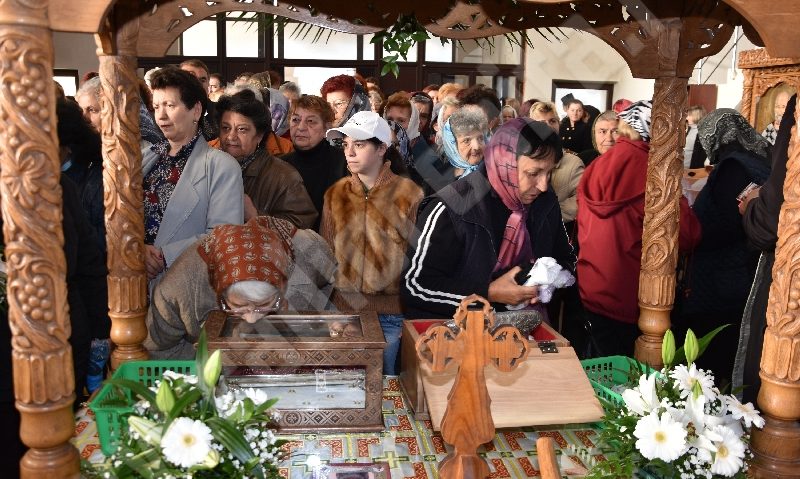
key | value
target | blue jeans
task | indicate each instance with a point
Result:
(392, 326)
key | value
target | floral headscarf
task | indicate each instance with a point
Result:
(724, 126)
(501, 168)
(259, 250)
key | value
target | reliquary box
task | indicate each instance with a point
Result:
(326, 369)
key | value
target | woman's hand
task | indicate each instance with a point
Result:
(753, 194)
(506, 290)
(153, 261)
(250, 210)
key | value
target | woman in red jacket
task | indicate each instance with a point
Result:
(610, 224)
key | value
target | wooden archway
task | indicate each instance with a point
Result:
(661, 40)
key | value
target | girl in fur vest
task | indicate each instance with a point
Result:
(367, 219)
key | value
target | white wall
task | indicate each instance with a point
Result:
(75, 51)
(584, 57)
(581, 57)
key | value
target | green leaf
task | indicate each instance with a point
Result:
(190, 397)
(144, 462)
(201, 359)
(265, 406)
(135, 387)
(680, 354)
(233, 440)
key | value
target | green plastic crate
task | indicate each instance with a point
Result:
(606, 373)
(113, 404)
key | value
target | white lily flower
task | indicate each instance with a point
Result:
(642, 399)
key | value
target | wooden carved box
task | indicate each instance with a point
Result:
(326, 369)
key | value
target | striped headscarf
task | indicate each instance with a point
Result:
(638, 117)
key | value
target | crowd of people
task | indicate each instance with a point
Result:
(261, 198)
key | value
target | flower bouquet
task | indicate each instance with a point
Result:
(674, 423)
(183, 427)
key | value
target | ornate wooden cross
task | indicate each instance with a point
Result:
(467, 421)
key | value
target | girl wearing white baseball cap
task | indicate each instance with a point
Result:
(367, 219)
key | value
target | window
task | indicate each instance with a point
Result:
(299, 44)
(68, 79)
(436, 52)
(491, 50)
(242, 34)
(200, 40)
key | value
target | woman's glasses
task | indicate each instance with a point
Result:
(240, 311)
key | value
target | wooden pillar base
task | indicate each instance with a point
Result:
(653, 323)
(776, 450)
(47, 431)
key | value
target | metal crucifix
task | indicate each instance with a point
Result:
(467, 421)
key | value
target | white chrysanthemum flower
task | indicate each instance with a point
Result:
(223, 403)
(746, 412)
(660, 438)
(642, 399)
(186, 442)
(729, 456)
(685, 379)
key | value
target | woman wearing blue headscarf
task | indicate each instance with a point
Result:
(464, 139)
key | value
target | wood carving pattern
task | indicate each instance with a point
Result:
(747, 97)
(32, 228)
(467, 422)
(636, 32)
(661, 216)
(760, 58)
(122, 185)
(780, 360)
(662, 194)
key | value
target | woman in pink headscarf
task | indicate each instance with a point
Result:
(476, 234)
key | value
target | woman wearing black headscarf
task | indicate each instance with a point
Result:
(720, 270)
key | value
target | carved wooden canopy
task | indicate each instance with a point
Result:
(623, 24)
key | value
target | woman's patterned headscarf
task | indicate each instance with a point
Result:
(501, 168)
(259, 250)
(724, 126)
(401, 143)
(358, 102)
(637, 115)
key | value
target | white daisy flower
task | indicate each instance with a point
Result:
(660, 438)
(729, 456)
(685, 379)
(746, 412)
(186, 442)
(642, 399)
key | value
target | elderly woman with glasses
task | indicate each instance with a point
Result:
(248, 271)
(271, 186)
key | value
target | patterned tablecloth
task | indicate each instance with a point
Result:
(410, 447)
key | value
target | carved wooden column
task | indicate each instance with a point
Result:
(44, 380)
(122, 182)
(776, 448)
(747, 97)
(661, 215)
